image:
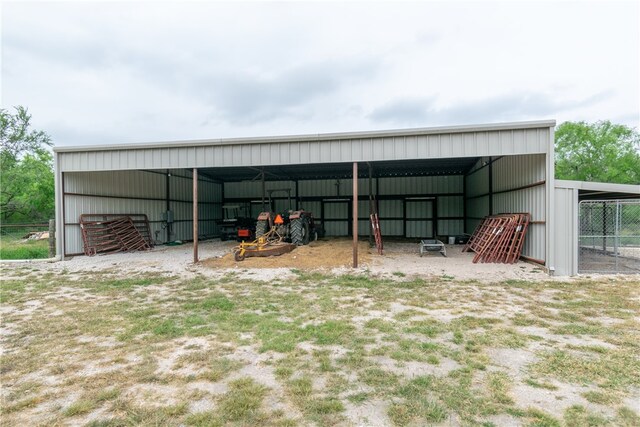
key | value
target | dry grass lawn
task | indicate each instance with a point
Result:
(105, 348)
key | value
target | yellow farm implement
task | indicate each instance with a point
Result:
(269, 244)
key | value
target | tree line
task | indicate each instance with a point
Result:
(602, 152)
(26, 170)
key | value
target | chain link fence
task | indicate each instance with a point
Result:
(24, 241)
(609, 237)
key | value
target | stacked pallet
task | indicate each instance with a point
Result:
(118, 234)
(499, 238)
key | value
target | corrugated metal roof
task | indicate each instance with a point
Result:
(602, 187)
(428, 167)
(317, 137)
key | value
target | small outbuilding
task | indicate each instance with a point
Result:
(424, 183)
(597, 228)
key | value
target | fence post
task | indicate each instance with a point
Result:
(52, 238)
(617, 236)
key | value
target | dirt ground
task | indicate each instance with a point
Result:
(326, 255)
(599, 262)
(321, 254)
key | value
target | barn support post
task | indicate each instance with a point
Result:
(355, 215)
(52, 238)
(263, 190)
(168, 203)
(371, 241)
(490, 186)
(465, 203)
(195, 215)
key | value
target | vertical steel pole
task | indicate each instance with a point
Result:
(604, 228)
(616, 236)
(355, 215)
(195, 215)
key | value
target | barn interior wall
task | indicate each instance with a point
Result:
(477, 194)
(140, 192)
(408, 206)
(510, 184)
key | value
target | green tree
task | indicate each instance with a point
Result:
(600, 152)
(26, 169)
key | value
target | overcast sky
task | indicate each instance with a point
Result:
(131, 72)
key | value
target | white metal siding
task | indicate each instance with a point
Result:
(138, 192)
(336, 228)
(449, 206)
(518, 171)
(476, 209)
(565, 237)
(477, 205)
(390, 227)
(478, 180)
(253, 189)
(419, 209)
(421, 185)
(390, 208)
(450, 227)
(419, 229)
(313, 207)
(336, 222)
(459, 144)
(512, 172)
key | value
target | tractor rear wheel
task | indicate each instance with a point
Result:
(261, 228)
(300, 231)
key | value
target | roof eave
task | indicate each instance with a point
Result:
(316, 137)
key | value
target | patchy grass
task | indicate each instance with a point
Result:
(79, 407)
(601, 397)
(107, 348)
(614, 369)
(540, 384)
(578, 416)
(416, 406)
(538, 418)
(627, 417)
(243, 402)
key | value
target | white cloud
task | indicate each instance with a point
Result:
(124, 72)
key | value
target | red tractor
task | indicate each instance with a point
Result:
(297, 227)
